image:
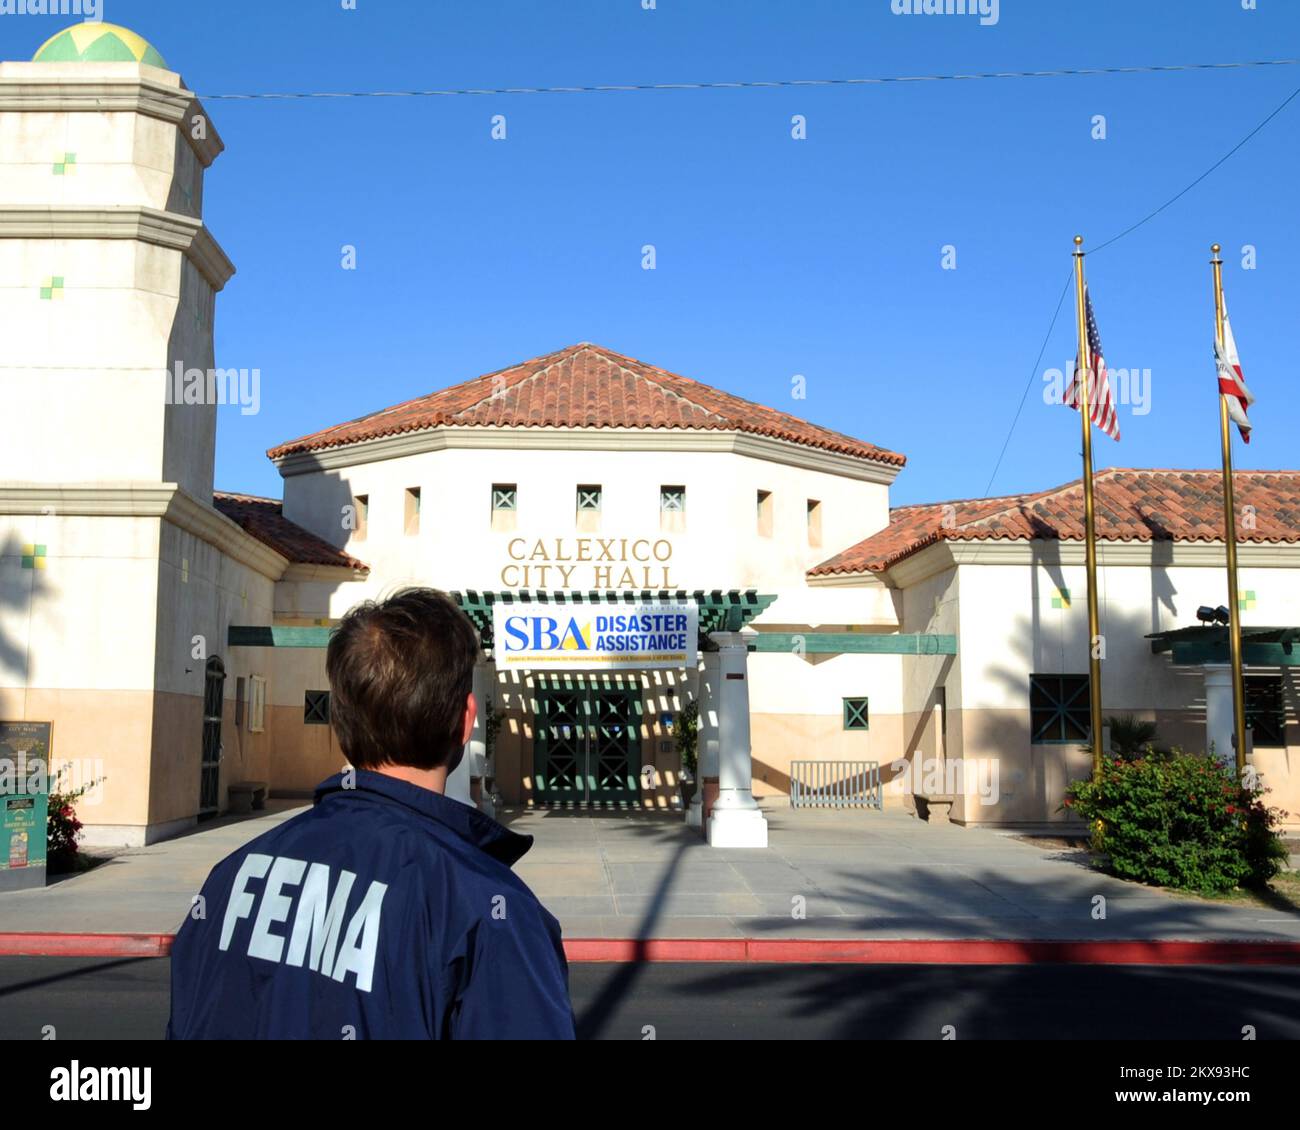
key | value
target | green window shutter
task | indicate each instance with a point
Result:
(316, 708)
(1266, 710)
(855, 714)
(1059, 709)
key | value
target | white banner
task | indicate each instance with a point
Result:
(605, 637)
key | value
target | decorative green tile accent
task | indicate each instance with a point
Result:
(66, 166)
(52, 288)
(33, 557)
(1061, 598)
(1246, 601)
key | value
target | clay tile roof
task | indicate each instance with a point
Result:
(264, 519)
(1131, 505)
(586, 386)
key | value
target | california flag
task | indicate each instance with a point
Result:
(1231, 383)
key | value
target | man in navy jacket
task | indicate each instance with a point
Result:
(386, 911)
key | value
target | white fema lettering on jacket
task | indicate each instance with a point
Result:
(313, 939)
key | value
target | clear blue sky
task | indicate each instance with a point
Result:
(775, 257)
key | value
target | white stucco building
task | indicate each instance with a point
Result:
(173, 637)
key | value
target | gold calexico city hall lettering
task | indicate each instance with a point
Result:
(588, 563)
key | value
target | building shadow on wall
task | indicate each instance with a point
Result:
(922, 739)
(25, 585)
(1133, 677)
(331, 510)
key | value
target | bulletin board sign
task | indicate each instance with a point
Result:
(24, 803)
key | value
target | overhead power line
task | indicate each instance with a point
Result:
(1110, 242)
(1178, 196)
(1033, 372)
(879, 80)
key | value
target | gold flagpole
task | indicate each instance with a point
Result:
(1089, 522)
(1230, 538)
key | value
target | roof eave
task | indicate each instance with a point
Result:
(882, 467)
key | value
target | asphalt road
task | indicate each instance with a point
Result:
(125, 999)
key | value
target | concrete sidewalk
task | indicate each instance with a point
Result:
(835, 875)
(866, 875)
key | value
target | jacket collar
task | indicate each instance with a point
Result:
(468, 823)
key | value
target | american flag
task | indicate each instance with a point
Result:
(1101, 404)
(1232, 383)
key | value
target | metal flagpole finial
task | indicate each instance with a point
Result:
(1214, 250)
(1078, 245)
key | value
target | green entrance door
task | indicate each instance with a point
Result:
(587, 740)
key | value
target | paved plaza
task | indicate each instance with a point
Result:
(842, 874)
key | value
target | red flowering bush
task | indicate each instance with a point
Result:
(1180, 820)
(64, 829)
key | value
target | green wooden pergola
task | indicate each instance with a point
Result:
(1260, 646)
(719, 610)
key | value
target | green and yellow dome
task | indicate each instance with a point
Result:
(98, 43)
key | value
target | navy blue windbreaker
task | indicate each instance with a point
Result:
(386, 911)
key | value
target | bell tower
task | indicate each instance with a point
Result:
(118, 576)
(108, 276)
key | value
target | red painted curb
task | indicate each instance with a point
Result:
(965, 951)
(85, 945)
(857, 951)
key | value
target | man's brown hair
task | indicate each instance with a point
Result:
(400, 670)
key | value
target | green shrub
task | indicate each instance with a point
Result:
(1130, 736)
(687, 733)
(491, 727)
(1179, 820)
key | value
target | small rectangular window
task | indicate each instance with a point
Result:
(360, 516)
(1265, 711)
(765, 513)
(256, 704)
(411, 518)
(239, 702)
(589, 499)
(1060, 711)
(855, 714)
(316, 708)
(505, 506)
(672, 509)
(814, 523)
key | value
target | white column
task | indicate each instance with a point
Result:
(473, 762)
(1218, 712)
(707, 745)
(458, 781)
(736, 820)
